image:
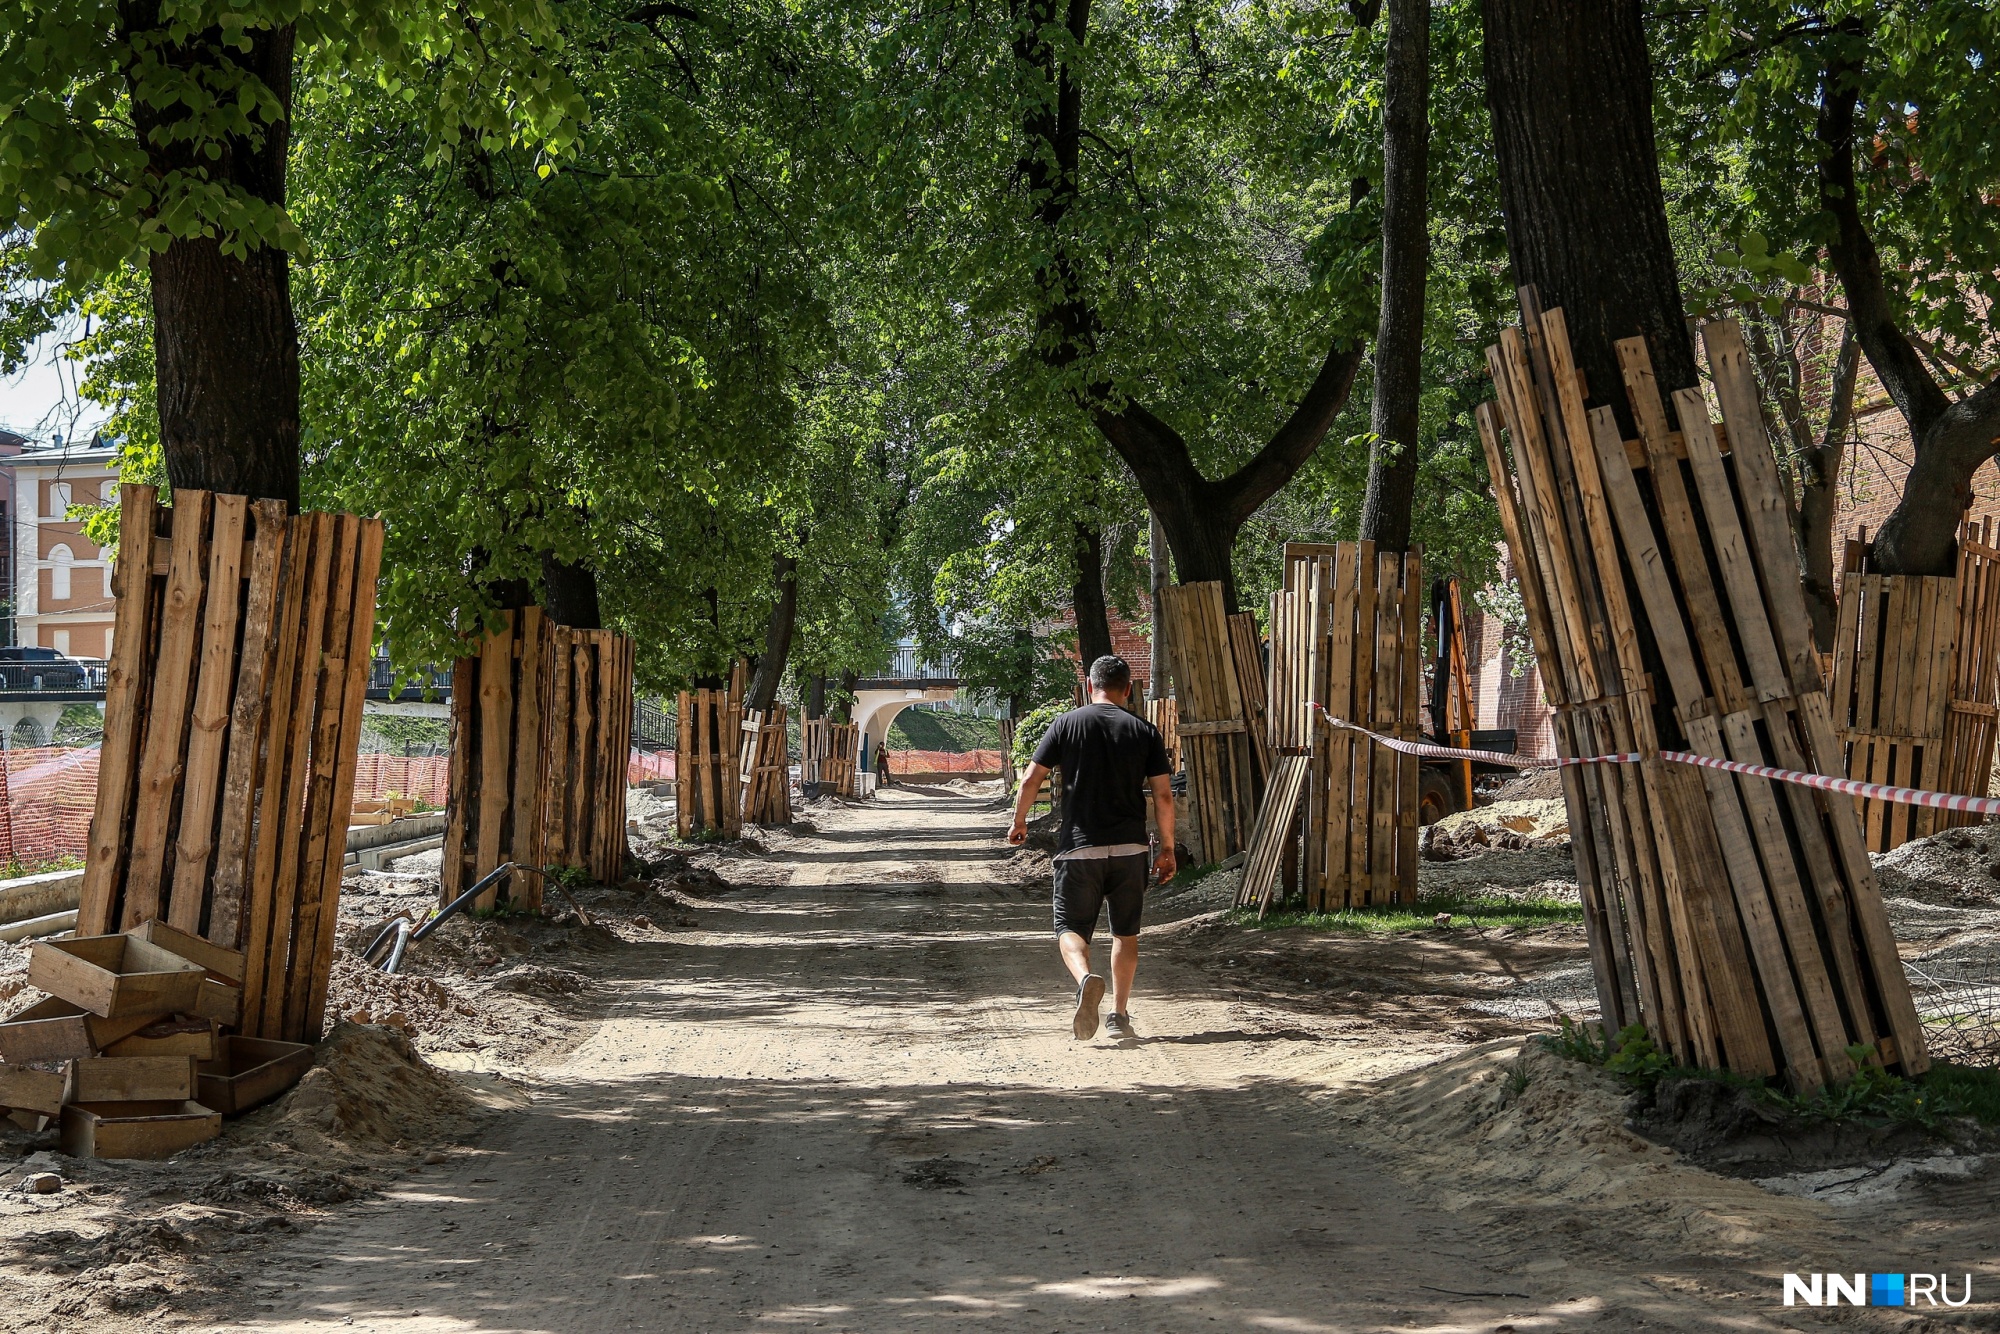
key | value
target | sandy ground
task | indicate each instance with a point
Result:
(843, 1095)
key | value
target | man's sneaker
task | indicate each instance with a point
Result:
(1118, 1026)
(1089, 996)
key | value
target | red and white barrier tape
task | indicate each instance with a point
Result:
(1853, 787)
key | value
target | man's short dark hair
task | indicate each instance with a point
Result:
(1110, 672)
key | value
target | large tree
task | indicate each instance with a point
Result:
(161, 134)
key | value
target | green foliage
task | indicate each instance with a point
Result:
(1468, 913)
(1030, 730)
(956, 733)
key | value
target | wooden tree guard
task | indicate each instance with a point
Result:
(765, 768)
(541, 727)
(708, 794)
(1913, 684)
(232, 723)
(494, 809)
(828, 753)
(1164, 714)
(1346, 635)
(1006, 757)
(585, 770)
(1738, 920)
(1214, 731)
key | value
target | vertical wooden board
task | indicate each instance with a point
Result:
(582, 728)
(126, 697)
(558, 762)
(1557, 680)
(610, 770)
(684, 784)
(248, 725)
(1730, 548)
(201, 781)
(1407, 781)
(322, 774)
(354, 692)
(526, 741)
(1617, 988)
(1844, 648)
(162, 758)
(1867, 682)
(1361, 766)
(464, 741)
(496, 752)
(287, 830)
(1383, 762)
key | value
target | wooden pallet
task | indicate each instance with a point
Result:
(586, 768)
(1737, 920)
(232, 721)
(1345, 634)
(828, 755)
(1164, 714)
(1214, 727)
(764, 768)
(708, 794)
(1914, 679)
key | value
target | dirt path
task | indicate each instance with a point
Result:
(849, 1101)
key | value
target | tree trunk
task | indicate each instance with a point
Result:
(1093, 624)
(777, 634)
(816, 697)
(1817, 464)
(1159, 681)
(225, 346)
(1951, 439)
(569, 594)
(844, 708)
(1571, 91)
(1399, 339)
(1201, 517)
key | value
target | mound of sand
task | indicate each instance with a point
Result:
(368, 1089)
(1509, 824)
(1957, 868)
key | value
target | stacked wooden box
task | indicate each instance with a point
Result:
(131, 1051)
(827, 752)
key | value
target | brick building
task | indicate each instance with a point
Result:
(62, 580)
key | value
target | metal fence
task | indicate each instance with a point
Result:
(908, 664)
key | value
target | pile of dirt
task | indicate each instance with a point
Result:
(1540, 872)
(1956, 868)
(1510, 824)
(368, 1089)
(1728, 1129)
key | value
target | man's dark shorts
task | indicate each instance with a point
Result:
(1084, 884)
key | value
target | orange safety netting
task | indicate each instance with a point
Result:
(944, 762)
(50, 792)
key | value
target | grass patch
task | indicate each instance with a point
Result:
(1193, 875)
(953, 733)
(1481, 911)
(16, 870)
(1873, 1096)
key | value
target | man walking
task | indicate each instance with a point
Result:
(1108, 759)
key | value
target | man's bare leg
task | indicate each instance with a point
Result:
(1075, 951)
(1124, 966)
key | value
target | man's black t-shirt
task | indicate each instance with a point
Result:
(1106, 755)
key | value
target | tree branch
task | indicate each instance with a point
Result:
(1294, 442)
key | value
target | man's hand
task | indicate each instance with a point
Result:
(1018, 831)
(1164, 866)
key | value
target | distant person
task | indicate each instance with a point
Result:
(1108, 758)
(882, 765)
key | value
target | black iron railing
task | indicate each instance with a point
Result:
(909, 664)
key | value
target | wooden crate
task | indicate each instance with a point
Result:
(37, 1091)
(1346, 636)
(115, 976)
(175, 1036)
(58, 1030)
(232, 722)
(129, 1079)
(1214, 726)
(1737, 920)
(146, 1130)
(251, 1071)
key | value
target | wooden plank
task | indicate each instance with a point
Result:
(358, 656)
(555, 776)
(1731, 549)
(1611, 967)
(1411, 640)
(126, 696)
(1362, 753)
(496, 752)
(1339, 742)
(526, 739)
(715, 795)
(284, 826)
(464, 738)
(684, 781)
(1387, 706)
(1646, 561)
(248, 714)
(1272, 834)
(1684, 544)
(201, 784)
(328, 686)
(129, 1078)
(218, 961)
(274, 772)
(162, 757)
(1541, 628)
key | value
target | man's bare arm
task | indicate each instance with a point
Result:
(1163, 816)
(1031, 786)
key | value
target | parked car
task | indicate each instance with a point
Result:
(23, 668)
